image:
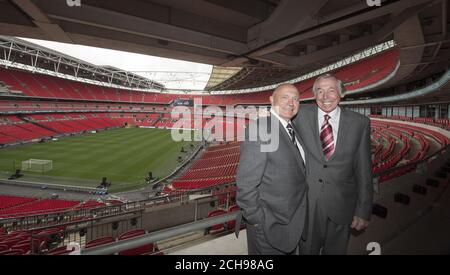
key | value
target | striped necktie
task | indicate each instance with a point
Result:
(326, 137)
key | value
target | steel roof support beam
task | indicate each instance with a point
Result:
(110, 20)
(289, 17)
(336, 24)
(42, 21)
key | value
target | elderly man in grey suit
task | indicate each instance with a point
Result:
(339, 169)
(271, 187)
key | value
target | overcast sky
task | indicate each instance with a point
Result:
(155, 68)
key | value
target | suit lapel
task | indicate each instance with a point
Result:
(300, 160)
(287, 140)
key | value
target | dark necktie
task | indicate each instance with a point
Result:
(326, 137)
(291, 133)
(294, 141)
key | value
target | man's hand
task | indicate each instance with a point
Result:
(359, 223)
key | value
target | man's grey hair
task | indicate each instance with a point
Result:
(340, 84)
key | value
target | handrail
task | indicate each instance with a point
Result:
(55, 186)
(137, 205)
(433, 87)
(192, 226)
(104, 210)
(96, 216)
(411, 164)
(158, 235)
(187, 193)
(196, 225)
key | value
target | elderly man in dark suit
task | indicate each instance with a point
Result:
(271, 187)
(339, 168)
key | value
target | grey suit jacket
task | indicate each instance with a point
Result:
(271, 187)
(345, 181)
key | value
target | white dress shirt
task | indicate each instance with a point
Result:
(335, 115)
(285, 123)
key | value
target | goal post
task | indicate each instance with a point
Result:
(37, 165)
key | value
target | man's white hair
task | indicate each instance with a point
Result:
(339, 82)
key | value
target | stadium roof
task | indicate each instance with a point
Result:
(272, 40)
(23, 54)
(221, 74)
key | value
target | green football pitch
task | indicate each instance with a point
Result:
(124, 156)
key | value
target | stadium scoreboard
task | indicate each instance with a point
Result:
(183, 102)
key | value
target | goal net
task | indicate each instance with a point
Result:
(37, 165)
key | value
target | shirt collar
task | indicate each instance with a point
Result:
(282, 121)
(333, 114)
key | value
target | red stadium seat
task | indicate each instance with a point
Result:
(141, 250)
(218, 227)
(99, 241)
(3, 247)
(61, 250)
(13, 252)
